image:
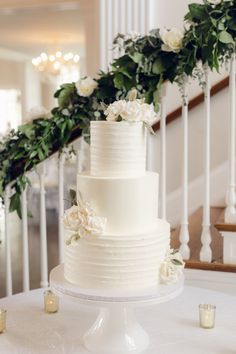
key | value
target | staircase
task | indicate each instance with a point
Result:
(217, 224)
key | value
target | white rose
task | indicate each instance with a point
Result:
(169, 273)
(114, 110)
(132, 111)
(85, 87)
(171, 268)
(214, 2)
(148, 114)
(36, 113)
(71, 218)
(96, 225)
(172, 40)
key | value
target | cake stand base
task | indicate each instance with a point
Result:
(116, 329)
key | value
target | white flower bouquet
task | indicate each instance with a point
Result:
(171, 268)
(131, 111)
(82, 220)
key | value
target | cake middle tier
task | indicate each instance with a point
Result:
(129, 204)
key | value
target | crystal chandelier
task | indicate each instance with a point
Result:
(57, 67)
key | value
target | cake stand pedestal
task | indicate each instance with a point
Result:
(116, 330)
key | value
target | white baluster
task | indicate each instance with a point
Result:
(25, 242)
(230, 212)
(43, 228)
(142, 16)
(7, 243)
(61, 162)
(103, 35)
(109, 6)
(115, 16)
(163, 152)
(184, 232)
(206, 252)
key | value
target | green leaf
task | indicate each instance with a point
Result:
(27, 129)
(226, 38)
(72, 194)
(176, 262)
(40, 154)
(136, 57)
(65, 95)
(33, 154)
(119, 80)
(158, 67)
(15, 204)
(197, 11)
(156, 100)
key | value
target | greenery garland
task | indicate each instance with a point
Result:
(209, 37)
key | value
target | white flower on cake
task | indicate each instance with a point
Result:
(86, 86)
(172, 39)
(132, 111)
(171, 268)
(82, 220)
(38, 112)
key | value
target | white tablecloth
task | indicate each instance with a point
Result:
(172, 326)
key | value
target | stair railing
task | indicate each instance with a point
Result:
(43, 225)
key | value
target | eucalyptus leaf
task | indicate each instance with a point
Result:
(225, 37)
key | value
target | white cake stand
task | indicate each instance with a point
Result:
(116, 329)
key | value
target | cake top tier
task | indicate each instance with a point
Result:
(118, 148)
(118, 145)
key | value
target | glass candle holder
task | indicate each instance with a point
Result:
(207, 315)
(51, 302)
(3, 314)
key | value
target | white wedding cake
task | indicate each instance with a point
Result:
(113, 238)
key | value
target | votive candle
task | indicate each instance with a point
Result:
(51, 302)
(3, 314)
(207, 315)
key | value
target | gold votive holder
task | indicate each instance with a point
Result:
(3, 315)
(51, 302)
(207, 315)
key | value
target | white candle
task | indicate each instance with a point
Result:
(2, 320)
(51, 302)
(207, 316)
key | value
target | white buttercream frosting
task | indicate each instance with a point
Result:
(118, 148)
(123, 261)
(130, 251)
(129, 204)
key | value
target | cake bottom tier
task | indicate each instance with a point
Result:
(117, 261)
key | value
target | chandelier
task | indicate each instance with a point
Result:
(57, 66)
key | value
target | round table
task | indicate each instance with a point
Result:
(173, 326)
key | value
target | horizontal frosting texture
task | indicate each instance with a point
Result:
(117, 148)
(111, 261)
(129, 204)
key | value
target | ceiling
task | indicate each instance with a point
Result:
(52, 25)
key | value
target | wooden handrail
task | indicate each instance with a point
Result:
(171, 117)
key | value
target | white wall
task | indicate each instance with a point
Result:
(170, 13)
